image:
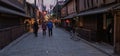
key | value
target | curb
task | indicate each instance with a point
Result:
(91, 44)
(101, 50)
(15, 42)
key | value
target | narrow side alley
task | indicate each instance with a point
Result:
(59, 44)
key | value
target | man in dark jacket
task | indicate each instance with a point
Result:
(35, 28)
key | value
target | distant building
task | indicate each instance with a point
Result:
(57, 10)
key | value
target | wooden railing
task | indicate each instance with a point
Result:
(8, 35)
(86, 34)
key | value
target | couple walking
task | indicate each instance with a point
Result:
(48, 25)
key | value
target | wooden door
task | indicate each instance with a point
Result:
(99, 28)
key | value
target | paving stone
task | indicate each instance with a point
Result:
(59, 44)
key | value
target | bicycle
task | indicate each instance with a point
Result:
(74, 35)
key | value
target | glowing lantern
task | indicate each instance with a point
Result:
(67, 21)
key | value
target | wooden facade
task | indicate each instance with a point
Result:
(64, 11)
(81, 6)
(89, 4)
(30, 13)
(11, 9)
(97, 20)
(71, 7)
(109, 1)
(13, 14)
(117, 31)
(94, 26)
(11, 20)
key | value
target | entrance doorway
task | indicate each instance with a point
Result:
(110, 28)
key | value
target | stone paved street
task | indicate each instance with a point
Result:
(59, 44)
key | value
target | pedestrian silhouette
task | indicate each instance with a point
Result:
(110, 32)
(35, 28)
(44, 27)
(50, 27)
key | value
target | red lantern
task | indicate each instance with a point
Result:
(67, 21)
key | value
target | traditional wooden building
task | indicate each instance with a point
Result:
(13, 17)
(68, 13)
(96, 20)
(30, 13)
(64, 13)
(57, 10)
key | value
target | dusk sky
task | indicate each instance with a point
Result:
(47, 3)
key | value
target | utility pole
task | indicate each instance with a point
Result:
(42, 5)
(35, 2)
(57, 9)
(35, 10)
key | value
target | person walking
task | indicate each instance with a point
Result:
(35, 28)
(50, 27)
(44, 26)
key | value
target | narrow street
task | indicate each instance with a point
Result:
(59, 44)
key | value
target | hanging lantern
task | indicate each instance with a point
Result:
(68, 21)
